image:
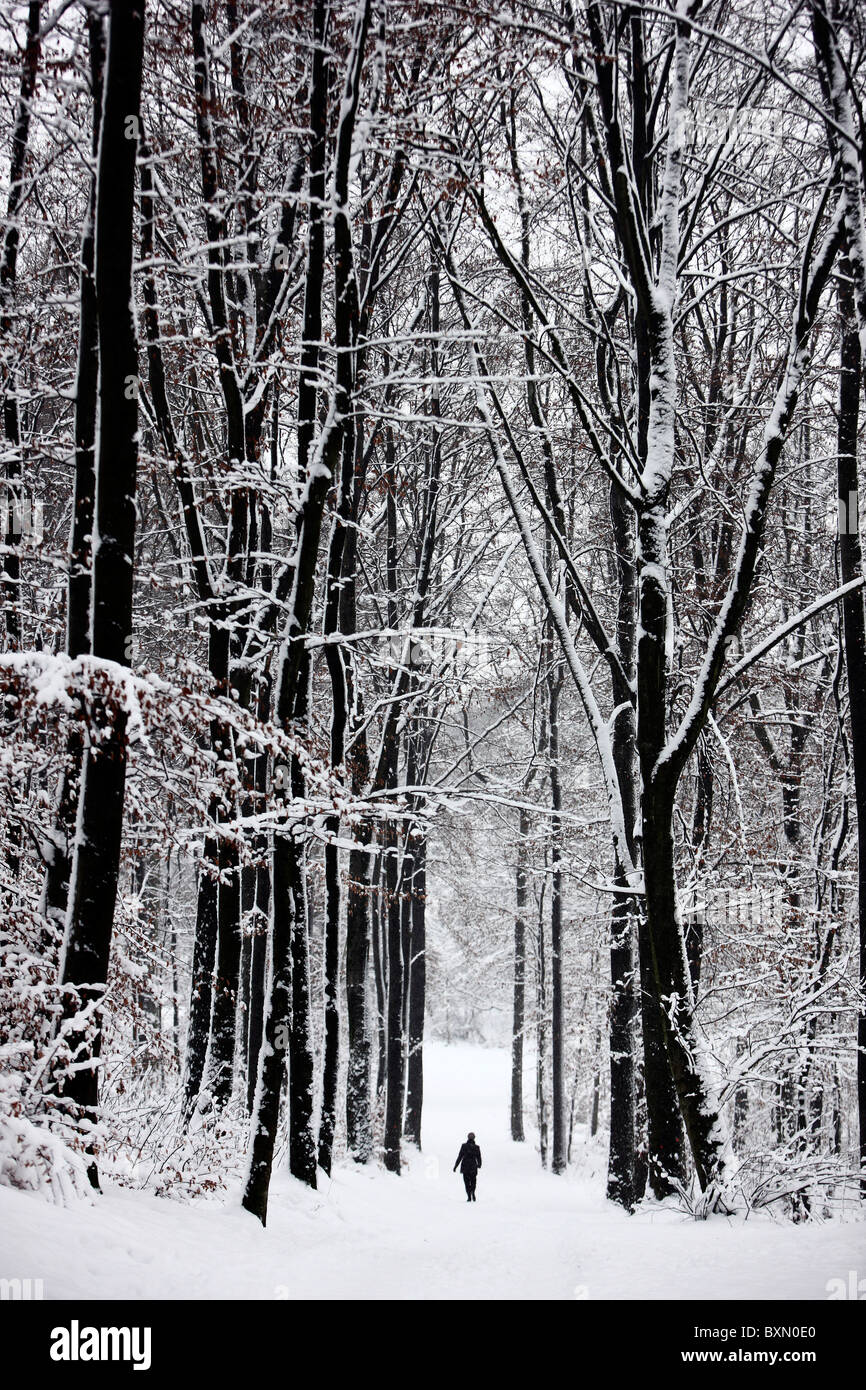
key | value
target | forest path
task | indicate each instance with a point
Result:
(369, 1234)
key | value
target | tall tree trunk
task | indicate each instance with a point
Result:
(226, 980)
(331, 982)
(358, 1121)
(518, 1016)
(845, 145)
(241, 443)
(359, 1132)
(407, 866)
(671, 991)
(694, 934)
(13, 514)
(557, 1026)
(56, 891)
(302, 1148)
(96, 862)
(208, 888)
(201, 987)
(541, 1036)
(258, 978)
(417, 889)
(420, 746)
(15, 520)
(338, 554)
(394, 1074)
(854, 630)
(621, 1037)
(380, 976)
(289, 1000)
(625, 911)
(394, 1046)
(279, 1017)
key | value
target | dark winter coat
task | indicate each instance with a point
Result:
(469, 1158)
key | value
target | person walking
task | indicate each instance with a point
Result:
(469, 1161)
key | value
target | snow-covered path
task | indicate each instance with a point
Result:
(368, 1234)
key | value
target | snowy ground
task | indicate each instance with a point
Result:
(368, 1234)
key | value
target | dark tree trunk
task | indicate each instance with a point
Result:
(518, 1017)
(8, 273)
(260, 920)
(338, 554)
(224, 1012)
(302, 1147)
(287, 1013)
(623, 1027)
(394, 1074)
(229, 667)
(407, 861)
(80, 556)
(394, 1046)
(248, 888)
(380, 980)
(694, 932)
(288, 938)
(621, 1155)
(15, 521)
(659, 924)
(201, 990)
(96, 862)
(208, 889)
(393, 933)
(417, 890)
(358, 1127)
(541, 1036)
(260, 916)
(596, 1095)
(211, 999)
(258, 978)
(671, 998)
(420, 746)
(560, 1139)
(663, 960)
(272, 1058)
(331, 1057)
(289, 1002)
(854, 630)
(359, 1133)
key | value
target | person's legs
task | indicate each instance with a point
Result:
(468, 1179)
(470, 1185)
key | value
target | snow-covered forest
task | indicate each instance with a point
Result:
(434, 636)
